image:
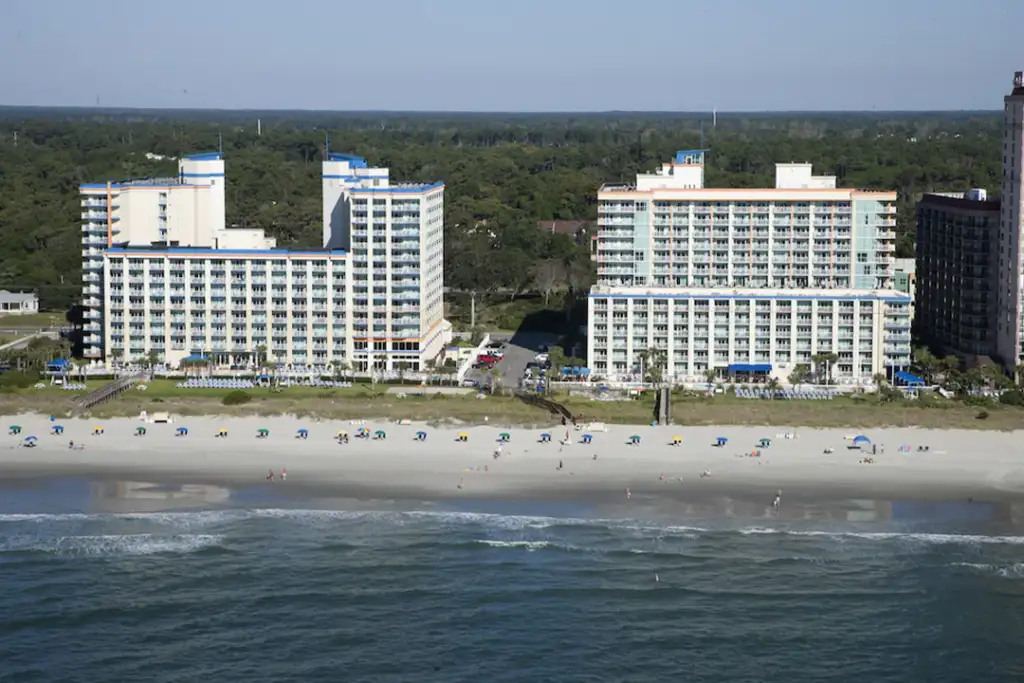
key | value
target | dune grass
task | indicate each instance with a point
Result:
(366, 401)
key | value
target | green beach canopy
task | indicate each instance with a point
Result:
(263, 431)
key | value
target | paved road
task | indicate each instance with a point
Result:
(520, 350)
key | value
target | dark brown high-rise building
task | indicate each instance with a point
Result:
(957, 257)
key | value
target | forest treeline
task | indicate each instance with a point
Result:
(503, 173)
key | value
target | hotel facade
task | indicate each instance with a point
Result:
(163, 275)
(745, 281)
(957, 245)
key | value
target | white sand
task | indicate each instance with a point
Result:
(960, 463)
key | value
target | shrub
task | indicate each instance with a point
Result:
(13, 379)
(236, 398)
(981, 415)
(1012, 397)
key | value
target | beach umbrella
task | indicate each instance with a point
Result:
(57, 429)
(262, 432)
(463, 436)
(860, 439)
(97, 430)
(676, 440)
(721, 441)
(303, 433)
(342, 432)
(15, 429)
(421, 436)
(30, 438)
(545, 436)
(380, 434)
(504, 436)
(635, 438)
(140, 431)
(182, 431)
(764, 443)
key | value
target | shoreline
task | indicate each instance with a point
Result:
(959, 464)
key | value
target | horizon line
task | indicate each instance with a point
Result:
(495, 112)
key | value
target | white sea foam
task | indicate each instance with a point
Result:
(110, 544)
(529, 545)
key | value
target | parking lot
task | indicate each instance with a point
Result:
(519, 350)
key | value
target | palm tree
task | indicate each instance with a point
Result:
(711, 376)
(494, 376)
(824, 361)
(773, 386)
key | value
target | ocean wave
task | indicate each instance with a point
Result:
(1007, 571)
(194, 520)
(528, 545)
(109, 544)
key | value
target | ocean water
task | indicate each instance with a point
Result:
(275, 594)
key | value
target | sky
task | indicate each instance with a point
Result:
(528, 55)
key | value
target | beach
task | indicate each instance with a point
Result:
(957, 464)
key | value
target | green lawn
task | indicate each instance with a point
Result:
(33, 321)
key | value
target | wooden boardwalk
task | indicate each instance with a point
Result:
(106, 392)
(547, 404)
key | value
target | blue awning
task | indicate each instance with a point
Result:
(59, 363)
(750, 367)
(908, 379)
(194, 358)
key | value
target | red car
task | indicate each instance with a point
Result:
(488, 359)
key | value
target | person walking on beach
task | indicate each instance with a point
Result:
(270, 475)
(559, 464)
(284, 474)
(778, 500)
(628, 494)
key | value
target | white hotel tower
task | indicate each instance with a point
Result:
(745, 282)
(163, 274)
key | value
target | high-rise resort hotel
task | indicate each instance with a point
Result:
(745, 282)
(163, 275)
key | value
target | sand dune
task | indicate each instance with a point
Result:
(959, 463)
